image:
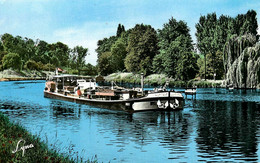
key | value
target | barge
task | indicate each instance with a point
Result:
(86, 91)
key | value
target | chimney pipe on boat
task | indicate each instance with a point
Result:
(142, 83)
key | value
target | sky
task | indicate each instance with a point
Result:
(84, 22)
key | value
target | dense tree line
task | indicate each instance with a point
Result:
(24, 53)
(170, 50)
(140, 49)
(213, 33)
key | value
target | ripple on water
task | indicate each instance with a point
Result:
(216, 126)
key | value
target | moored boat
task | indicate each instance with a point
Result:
(76, 89)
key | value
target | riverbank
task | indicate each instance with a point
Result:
(153, 80)
(18, 145)
(11, 75)
(160, 80)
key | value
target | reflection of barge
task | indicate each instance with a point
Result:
(70, 88)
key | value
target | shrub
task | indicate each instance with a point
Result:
(73, 71)
(12, 60)
(40, 65)
(48, 67)
(31, 65)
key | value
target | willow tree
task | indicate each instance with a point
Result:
(212, 34)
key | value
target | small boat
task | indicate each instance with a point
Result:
(190, 91)
(230, 87)
(76, 89)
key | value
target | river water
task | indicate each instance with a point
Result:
(217, 125)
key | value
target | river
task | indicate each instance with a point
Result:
(217, 125)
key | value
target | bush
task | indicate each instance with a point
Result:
(203, 84)
(40, 65)
(48, 67)
(73, 71)
(177, 84)
(31, 65)
(12, 60)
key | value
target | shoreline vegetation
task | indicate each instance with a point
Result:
(12, 75)
(35, 150)
(122, 78)
(226, 48)
(153, 80)
(157, 80)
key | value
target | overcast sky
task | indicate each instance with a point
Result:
(84, 22)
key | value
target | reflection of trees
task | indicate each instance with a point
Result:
(227, 129)
(62, 109)
(170, 129)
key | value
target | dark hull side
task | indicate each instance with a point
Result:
(114, 105)
(125, 105)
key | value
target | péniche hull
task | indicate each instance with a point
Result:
(129, 105)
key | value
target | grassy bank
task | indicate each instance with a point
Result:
(160, 80)
(12, 75)
(37, 151)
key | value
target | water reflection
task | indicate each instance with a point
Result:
(170, 130)
(60, 109)
(227, 130)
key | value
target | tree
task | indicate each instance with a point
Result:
(212, 34)
(115, 46)
(28, 49)
(2, 54)
(105, 45)
(171, 31)
(209, 64)
(7, 41)
(185, 68)
(59, 53)
(120, 30)
(1, 46)
(118, 54)
(41, 52)
(77, 56)
(12, 60)
(175, 42)
(206, 41)
(89, 69)
(104, 63)
(248, 23)
(142, 47)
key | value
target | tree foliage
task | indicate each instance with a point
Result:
(31, 65)
(120, 30)
(118, 54)
(186, 68)
(41, 55)
(112, 52)
(142, 47)
(209, 64)
(12, 60)
(59, 53)
(175, 47)
(104, 64)
(105, 45)
(77, 57)
(212, 34)
(89, 69)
